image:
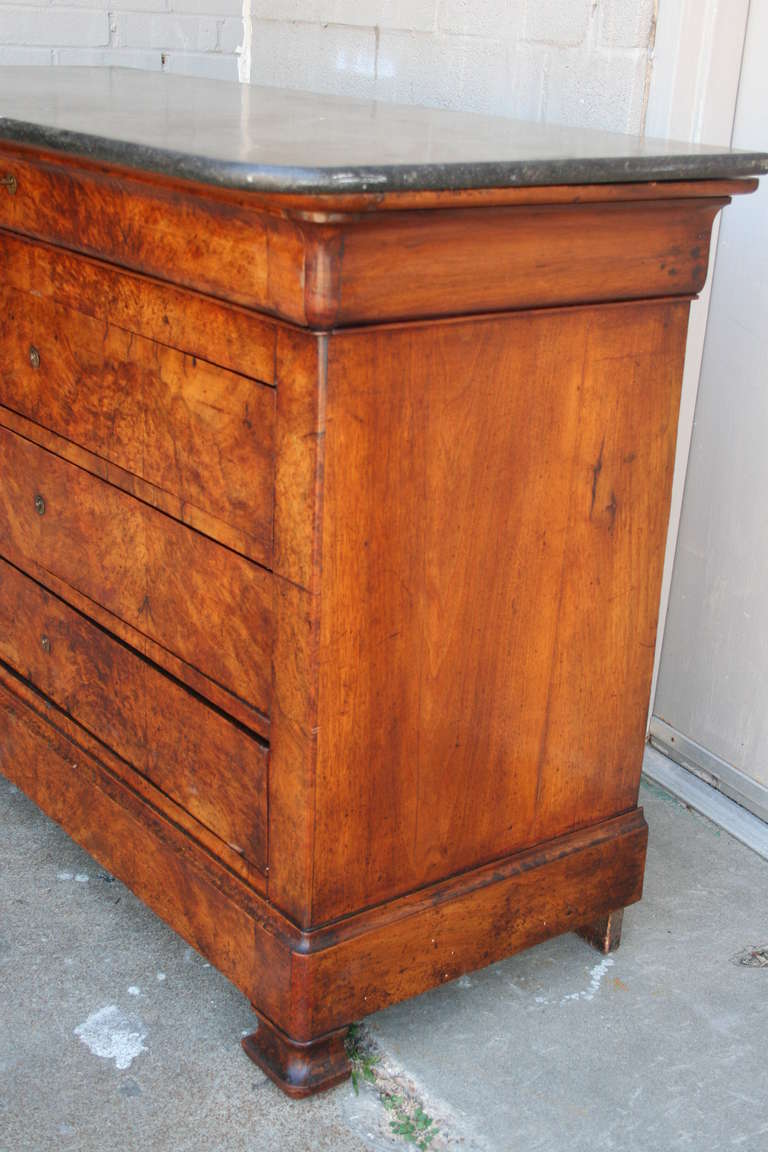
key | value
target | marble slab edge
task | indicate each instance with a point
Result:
(432, 177)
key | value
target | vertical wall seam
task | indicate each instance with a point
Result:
(649, 62)
(245, 50)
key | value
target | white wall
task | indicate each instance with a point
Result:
(576, 61)
(713, 680)
(581, 61)
(193, 36)
(694, 88)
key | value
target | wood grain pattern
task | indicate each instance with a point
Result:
(223, 334)
(489, 596)
(330, 269)
(419, 264)
(208, 605)
(407, 741)
(300, 1069)
(604, 934)
(188, 888)
(472, 921)
(188, 428)
(239, 541)
(310, 984)
(168, 231)
(299, 429)
(200, 759)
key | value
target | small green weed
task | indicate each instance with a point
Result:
(361, 1058)
(408, 1118)
(413, 1124)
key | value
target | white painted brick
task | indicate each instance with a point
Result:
(147, 61)
(320, 58)
(215, 65)
(596, 90)
(55, 26)
(230, 34)
(494, 18)
(526, 74)
(444, 71)
(626, 23)
(205, 7)
(18, 54)
(165, 31)
(108, 5)
(418, 15)
(557, 21)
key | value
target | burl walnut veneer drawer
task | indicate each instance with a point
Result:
(208, 605)
(197, 757)
(192, 429)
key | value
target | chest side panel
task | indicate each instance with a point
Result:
(495, 509)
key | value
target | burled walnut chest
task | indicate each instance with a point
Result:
(336, 443)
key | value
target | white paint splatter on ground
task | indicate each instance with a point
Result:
(596, 976)
(65, 876)
(81, 877)
(134, 991)
(112, 1035)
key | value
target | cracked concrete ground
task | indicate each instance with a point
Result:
(113, 1033)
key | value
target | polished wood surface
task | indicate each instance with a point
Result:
(235, 338)
(188, 428)
(331, 535)
(604, 934)
(330, 269)
(310, 984)
(203, 602)
(299, 1069)
(495, 259)
(497, 578)
(214, 246)
(203, 761)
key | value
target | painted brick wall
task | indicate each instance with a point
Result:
(202, 37)
(575, 61)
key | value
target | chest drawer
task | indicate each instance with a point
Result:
(202, 602)
(195, 431)
(205, 763)
(216, 243)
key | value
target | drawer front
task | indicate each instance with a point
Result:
(206, 604)
(233, 337)
(202, 761)
(194, 430)
(179, 232)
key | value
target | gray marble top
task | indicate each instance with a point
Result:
(274, 140)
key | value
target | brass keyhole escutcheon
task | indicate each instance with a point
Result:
(39, 505)
(9, 182)
(45, 643)
(34, 356)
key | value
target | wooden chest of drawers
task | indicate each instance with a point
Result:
(334, 498)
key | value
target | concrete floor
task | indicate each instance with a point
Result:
(659, 1047)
